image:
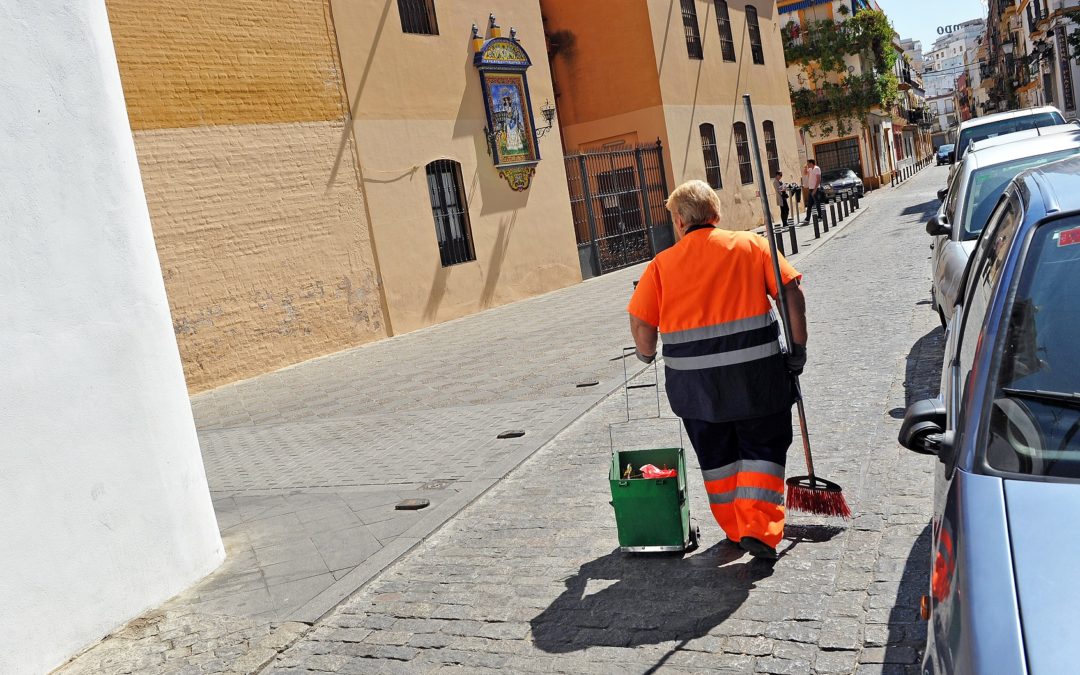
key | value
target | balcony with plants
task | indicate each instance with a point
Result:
(838, 97)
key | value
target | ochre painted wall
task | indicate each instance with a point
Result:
(648, 85)
(191, 63)
(416, 99)
(249, 170)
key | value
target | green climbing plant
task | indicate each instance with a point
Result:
(823, 47)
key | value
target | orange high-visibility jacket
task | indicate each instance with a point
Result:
(709, 296)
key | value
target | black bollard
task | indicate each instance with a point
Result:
(832, 212)
(794, 239)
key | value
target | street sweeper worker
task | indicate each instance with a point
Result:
(727, 375)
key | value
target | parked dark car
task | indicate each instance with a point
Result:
(1005, 583)
(839, 180)
(944, 154)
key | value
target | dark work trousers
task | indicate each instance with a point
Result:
(783, 211)
(742, 463)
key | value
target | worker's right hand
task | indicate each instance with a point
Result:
(643, 358)
(796, 359)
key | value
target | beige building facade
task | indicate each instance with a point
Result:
(284, 147)
(676, 72)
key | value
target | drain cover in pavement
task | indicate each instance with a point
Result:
(513, 433)
(588, 383)
(412, 504)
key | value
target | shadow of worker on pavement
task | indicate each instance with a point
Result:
(626, 600)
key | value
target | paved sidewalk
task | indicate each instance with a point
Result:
(306, 464)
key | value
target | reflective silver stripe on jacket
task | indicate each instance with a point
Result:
(744, 466)
(719, 329)
(723, 358)
(760, 494)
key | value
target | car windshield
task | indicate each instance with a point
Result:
(982, 132)
(986, 185)
(1034, 424)
(945, 149)
(835, 175)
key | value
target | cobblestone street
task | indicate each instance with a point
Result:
(528, 578)
(305, 468)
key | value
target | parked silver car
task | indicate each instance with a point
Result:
(999, 124)
(972, 192)
(1003, 589)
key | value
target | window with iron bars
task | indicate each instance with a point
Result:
(771, 153)
(452, 229)
(418, 16)
(712, 157)
(723, 22)
(690, 28)
(756, 50)
(742, 147)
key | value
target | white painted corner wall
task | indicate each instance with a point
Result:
(104, 506)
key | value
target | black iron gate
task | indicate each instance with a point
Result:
(617, 197)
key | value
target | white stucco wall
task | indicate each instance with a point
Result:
(104, 506)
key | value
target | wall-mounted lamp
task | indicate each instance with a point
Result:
(548, 111)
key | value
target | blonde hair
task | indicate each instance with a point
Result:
(695, 202)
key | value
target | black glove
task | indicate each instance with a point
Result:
(652, 357)
(796, 359)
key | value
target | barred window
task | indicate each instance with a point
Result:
(723, 22)
(755, 35)
(712, 157)
(452, 229)
(742, 146)
(770, 147)
(690, 28)
(418, 16)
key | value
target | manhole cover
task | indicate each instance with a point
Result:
(588, 383)
(412, 504)
(513, 433)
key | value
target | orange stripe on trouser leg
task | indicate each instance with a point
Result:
(724, 513)
(760, 518)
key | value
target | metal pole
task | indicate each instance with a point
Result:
(755, 152)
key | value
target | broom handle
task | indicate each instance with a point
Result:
(781, 300)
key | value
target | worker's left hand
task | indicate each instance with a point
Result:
(796, 359)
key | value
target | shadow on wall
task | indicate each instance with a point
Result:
(498, 257)
(691, 127)
(623, 600)
(347, 130)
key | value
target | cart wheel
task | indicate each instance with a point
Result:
(695, 538)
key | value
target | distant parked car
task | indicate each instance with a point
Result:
(944, 154)
(973, 190)
(839, 180)
(1004, 584)
(1000, 124)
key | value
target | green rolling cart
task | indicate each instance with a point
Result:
(652, 514)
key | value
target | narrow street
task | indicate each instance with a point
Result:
(527, 578)
(517, 569)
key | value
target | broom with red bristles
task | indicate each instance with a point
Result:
(810, 493)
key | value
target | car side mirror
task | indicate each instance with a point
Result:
(942, 193)
(952, 157)
(938, 226)
(923, 428)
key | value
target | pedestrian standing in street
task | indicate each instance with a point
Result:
(726, 374)
(812, 173)
(781, 196)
